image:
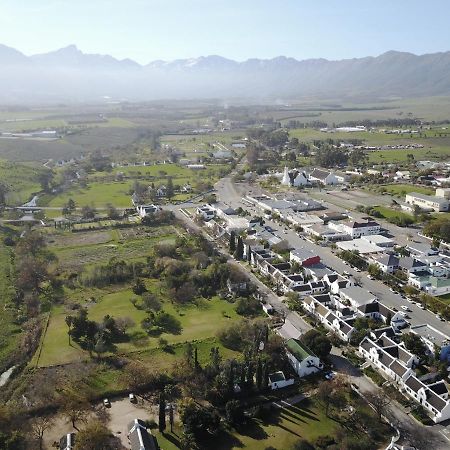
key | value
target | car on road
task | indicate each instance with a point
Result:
(409, 300)
(405, 308)
(106, 403)
(370, 277)
(356, 269)
(438, 316)
(421, 306)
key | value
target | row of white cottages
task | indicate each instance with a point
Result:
(398, 364)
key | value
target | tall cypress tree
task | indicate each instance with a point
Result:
(249, 254)
(162, 413)
(259, 375)
(232, 242)
(239, 253)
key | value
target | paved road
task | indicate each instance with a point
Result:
(231, 193)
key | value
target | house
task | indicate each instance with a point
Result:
(301, 179)
(411, 265)
(357, 229)
(302, 359)
(402, 175)
(323, 176)
(387, 263)
(278, 380)
(67, 442)
(356, 296)
(223, 154)
(379, 311)
(418, 249)
(379, 240)
(268, 308)
(434, 340)
(304, 257)
(325, 233)
(145, 210)
(161, 191)
(185, 189)
(206, 212)
(427, 202)
(140, 438)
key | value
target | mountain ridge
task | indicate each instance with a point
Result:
(68, 73)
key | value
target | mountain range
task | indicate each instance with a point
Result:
(68, 74)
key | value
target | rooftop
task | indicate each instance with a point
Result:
(298, 350)
(431, 334)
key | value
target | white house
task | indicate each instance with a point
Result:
(278, 380)
(302, 359)
(145, 210)
(356, 229)
(323, 176)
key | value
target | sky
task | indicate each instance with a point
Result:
(147, 30)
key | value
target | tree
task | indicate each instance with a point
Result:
(39, 425)
(74, 407)
(234, 412)
(69, 323)
(150, 302)
(169, 188)
(111, 211)
(317, 343)
(188, 442)
(303, 444)
(324, 394)
(71, 205)
(88, 212)
(380, 402)
(139, 287)
(259, 375)
(95, 436)
(162, 412)
(415, 345)
(232, 245)
(239, 252)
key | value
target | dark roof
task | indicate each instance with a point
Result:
(435, 401)
(384, 341)
(409, 263)
(320, 174)
(140, 438)
(413, 383)
(439, 388)
(388, 331)
(302, 288)
(387, 260)
(345, 327)
(398, 368)
(366, 344)
(322, 298)
(385, 358)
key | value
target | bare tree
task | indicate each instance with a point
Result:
(39, 425)
(380, 403)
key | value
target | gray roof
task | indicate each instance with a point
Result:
(358, 294)
(140, 438)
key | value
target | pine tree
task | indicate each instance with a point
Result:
(162, 413)
(249, 254)
(259, 375)
(232, 242)
(230, 381)
(249, 375)
(169, 188)
(239, 253)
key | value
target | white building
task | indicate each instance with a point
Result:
(357, 229)
(302, 359)
(323, 176)
(278, 380)
(145, 210)
(427, 202)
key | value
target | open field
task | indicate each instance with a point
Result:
(389, 213)
(22, 180)
(81, 253)
(400, 190)
(97, 195)
(9, 332)
(199, 322)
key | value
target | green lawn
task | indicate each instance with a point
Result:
(198, 322)
(305, 420)
(389, 213)
(97, 195)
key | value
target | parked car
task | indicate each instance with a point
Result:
(106, 403)
(132, 398)
(405, 308)
(330, 375)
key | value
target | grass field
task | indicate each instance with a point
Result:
(199, 322)
(400, 190)
(389, 213)
(9, 333)
(305, 420)
(97, 195)
(22, 180)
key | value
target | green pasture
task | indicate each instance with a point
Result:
(389, 213)
(199, 321)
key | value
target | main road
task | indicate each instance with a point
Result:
(232, 193)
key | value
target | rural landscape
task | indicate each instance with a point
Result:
(216, 253)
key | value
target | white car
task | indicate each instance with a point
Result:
(404, 308)
(132, 398)
(420, 306)
(106, 403)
